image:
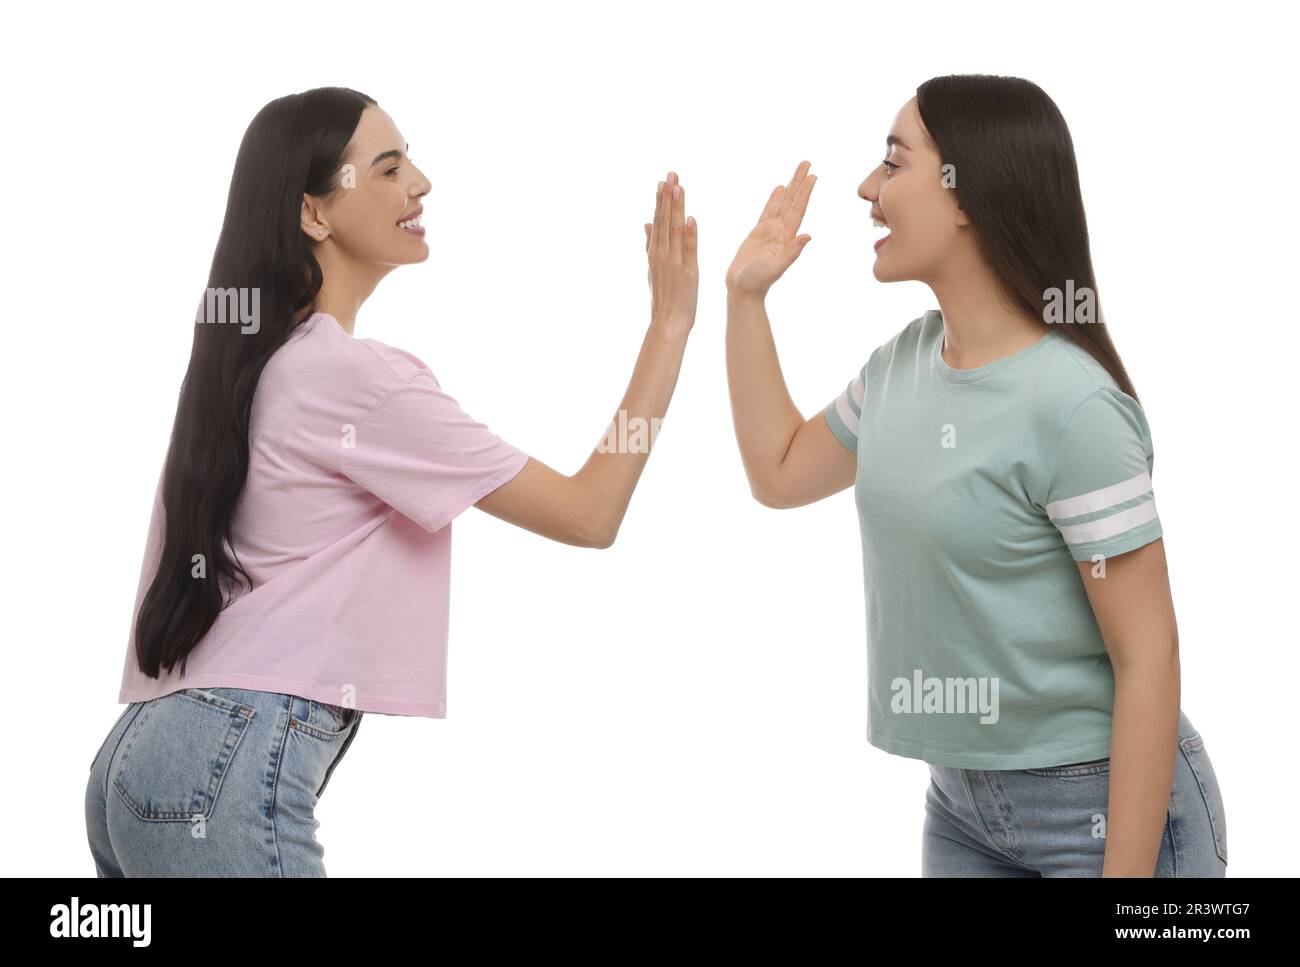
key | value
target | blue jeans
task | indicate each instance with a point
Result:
(215, 782)
(1051, 822)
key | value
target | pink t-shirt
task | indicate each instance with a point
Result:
(358, 462)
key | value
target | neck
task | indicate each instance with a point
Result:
(346, 284)
(979, 325)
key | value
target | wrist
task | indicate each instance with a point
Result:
(671, 326)
(744, 299)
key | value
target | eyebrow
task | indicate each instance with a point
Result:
(893, 139)
(388, 154)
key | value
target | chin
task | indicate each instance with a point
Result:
(413, 258)
(885, 271)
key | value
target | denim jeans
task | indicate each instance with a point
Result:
(1051, 822)
(215, 782)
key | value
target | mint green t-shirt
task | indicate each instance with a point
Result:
(977, 491)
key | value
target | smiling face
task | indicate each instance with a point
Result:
(907, 192)
(374, 216)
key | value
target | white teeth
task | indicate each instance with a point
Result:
(878, 223)
(410, 222)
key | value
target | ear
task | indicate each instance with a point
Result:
(313, 222)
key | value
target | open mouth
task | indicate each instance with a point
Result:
(880, 223)
(411, 224)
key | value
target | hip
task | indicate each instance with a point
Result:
(1053, 820)
(216, 781)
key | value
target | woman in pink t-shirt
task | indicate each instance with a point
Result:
(296, 570)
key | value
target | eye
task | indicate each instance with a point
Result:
(889, 165)
(391, 171)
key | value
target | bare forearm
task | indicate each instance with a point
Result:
(1144, 748)
(764, 415)
(587, 508)
(609, 477)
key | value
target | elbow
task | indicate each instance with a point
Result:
(769, 497)
(600, 542)
(1142, 656)
(766, 486)
(595, 535)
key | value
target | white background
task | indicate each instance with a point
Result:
(693, 700)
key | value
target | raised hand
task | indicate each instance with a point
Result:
(774, 244)
(671, 242)
(588, 507)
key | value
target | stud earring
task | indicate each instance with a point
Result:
(320, 231)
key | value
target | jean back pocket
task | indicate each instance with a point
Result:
(175, 758)
(1193, 750)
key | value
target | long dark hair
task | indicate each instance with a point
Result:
(1017, 180)
(263, 284)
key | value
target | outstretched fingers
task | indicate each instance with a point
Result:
(677, 219)
(672, 236)
(657, 243)
(799, 206)
(773, 203)
(787, 198)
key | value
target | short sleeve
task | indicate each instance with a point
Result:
(1100, 495)
(420, 453)
(844, 413)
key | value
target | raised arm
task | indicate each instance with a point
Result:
(789, 461)
(587, 508)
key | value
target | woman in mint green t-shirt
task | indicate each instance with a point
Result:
(1021, 632)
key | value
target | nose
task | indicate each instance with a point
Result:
(421, 186)
(869, 191)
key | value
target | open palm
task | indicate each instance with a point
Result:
(775, 242)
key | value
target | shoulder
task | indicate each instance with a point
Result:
(320, 353)
(399, 363)
(1072, 387)
(904, 345)
(1094, 448)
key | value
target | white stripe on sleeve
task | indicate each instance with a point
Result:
(1100, 499)
(1112, 526)
(848, 405)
